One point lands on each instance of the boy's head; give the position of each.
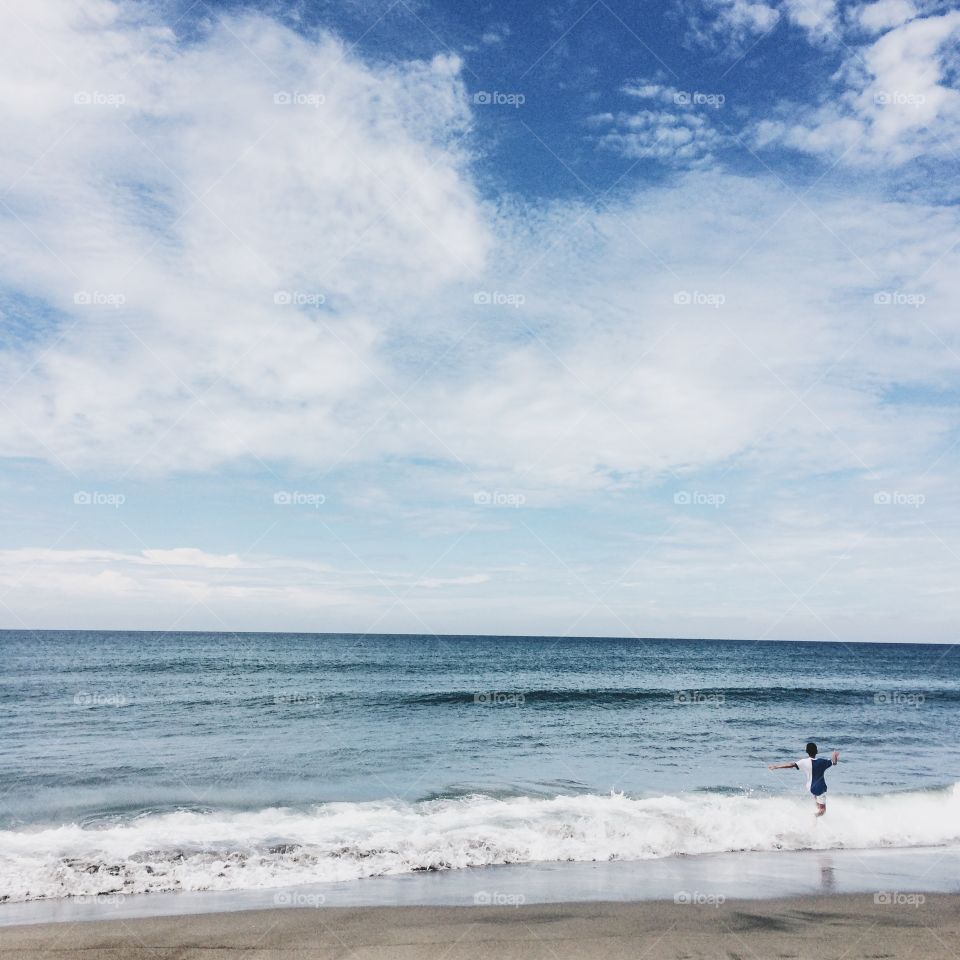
(811, 749)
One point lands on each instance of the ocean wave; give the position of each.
(626, 696)
(276, 847)
(289, 692)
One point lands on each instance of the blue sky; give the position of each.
(574, 319)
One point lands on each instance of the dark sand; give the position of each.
(821, 928)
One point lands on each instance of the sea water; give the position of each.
(136, 762)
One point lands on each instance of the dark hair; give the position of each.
(811, 749)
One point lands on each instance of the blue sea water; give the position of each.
(137, 762)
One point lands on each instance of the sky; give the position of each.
(576, 318)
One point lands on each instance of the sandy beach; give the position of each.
(821, 928)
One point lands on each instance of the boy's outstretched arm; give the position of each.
(781, 766)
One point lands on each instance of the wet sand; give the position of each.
(821, 928)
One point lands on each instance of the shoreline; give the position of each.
(826, 927)
(755, 876)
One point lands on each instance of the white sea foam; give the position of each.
(343, 841)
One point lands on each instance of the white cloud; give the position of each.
(897, 101)
(697, 324)
(884, 14)
(736, 24)
(176, 557)
(174, 589)
(432, 583)
(817, 17)
(654, 90)
(496, 34)
(685, 137)
(645, 90)
(191, 187)
(192, 557)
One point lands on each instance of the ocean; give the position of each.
(157, 762)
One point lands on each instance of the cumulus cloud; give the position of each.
(660, 135)
(221, 233)
(884, 14)
(817, 17)
(734, 24)
(680, 131)
(895, 100)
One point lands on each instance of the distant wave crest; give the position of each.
(627, 696)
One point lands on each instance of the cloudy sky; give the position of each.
(573, 318)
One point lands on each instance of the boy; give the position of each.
(814, 767)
